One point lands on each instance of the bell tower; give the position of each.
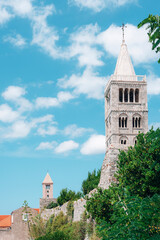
(126, 112)
(47, 187)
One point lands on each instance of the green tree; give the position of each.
(153, 24)
(91, 182)
(67, 195)
(58, 235)
(139, 167)
(133, 218)
(52, 205)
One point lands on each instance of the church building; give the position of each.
(126, 112)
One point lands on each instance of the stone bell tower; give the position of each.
(47, 186)
(126, 112)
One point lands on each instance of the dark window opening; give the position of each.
(121, 95)
(137, 95)
(126, 95)
(139, 122)
(133, 122)
(119, 122)
(131, 95)
(124, 141)
(121, 141)
(125, 122)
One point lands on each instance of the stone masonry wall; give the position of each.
(78, 210)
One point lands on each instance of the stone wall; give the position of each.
(78, 210)
(109, 168)
(45, 201)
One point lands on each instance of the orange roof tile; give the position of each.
(37, 209)
(5, 221)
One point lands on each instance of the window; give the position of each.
(47, 196)
(131, 95)
(120, 95)
(119, 122)
(126, 95)
(136, 122)
(137, 95)
(47, 186)
(25, 217)
(123, 141)
(123, 122)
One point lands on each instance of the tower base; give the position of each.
(109, 167)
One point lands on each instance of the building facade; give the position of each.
(16, 225)
(126, 113)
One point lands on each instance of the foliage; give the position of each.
(139, 167)
(91, 182)
(154, 31)
(100, 205)
(133, 218)
(67, 195)
(58, 235)
(37, 227)
(52, 205)
(70, 210)
(130, 208)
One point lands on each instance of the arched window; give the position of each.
(135, 141)
(121, 95)
(123, 140)
(137, 95)
(123, 121)
(131, 94)
(136, 121)
(126, 95)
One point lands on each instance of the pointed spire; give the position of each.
(47, 179)
(124, 65)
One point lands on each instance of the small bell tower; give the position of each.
(47, 186)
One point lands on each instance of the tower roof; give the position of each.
(124, 65)
(47, 179)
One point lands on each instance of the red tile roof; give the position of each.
(5, 221)
(37, 209)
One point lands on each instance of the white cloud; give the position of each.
(94, 145)
(17, 41)
(64, 96)
(88, 83)
(73, 131)
(46, 102)
(46, 145)
(153, 84)
(155, 125)
(83, 46)
(66, 146)
(15, 94)
(139, 47)
(43, 35)
(49, 130)
(4, 15)
(98, 5)
(20, 8)
(7, 114)
(19, 129)
(46, 118)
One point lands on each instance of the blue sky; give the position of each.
(56, 58)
